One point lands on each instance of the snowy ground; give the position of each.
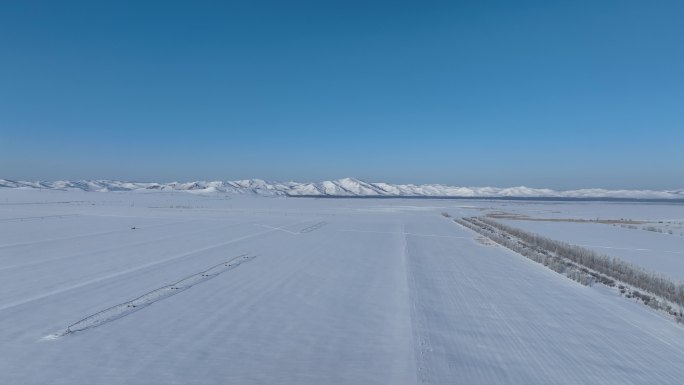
(661, 251)
(340, 291)
(657, 252)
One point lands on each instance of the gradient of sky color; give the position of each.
(560, 94)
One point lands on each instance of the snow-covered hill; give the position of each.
(339, 187)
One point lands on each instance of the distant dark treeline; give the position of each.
(530, 199)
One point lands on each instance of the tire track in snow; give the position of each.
(634, 249)
(421, 341)
(131, 270)
(109, 232)
(404, 233)
(21, 219)
(124, 309)
(544, 335)
(305, 230)
(273, 228)
(124, 246)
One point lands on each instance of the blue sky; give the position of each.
(561, 94)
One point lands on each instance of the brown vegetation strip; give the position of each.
(520, 217)
(584, 265)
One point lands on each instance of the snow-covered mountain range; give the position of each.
(340, 187)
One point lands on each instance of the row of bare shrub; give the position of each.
(581, 264)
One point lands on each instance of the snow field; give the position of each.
(386, 292)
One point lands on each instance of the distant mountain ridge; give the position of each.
(339, 187)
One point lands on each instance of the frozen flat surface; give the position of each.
(659, 252)
(339, 291)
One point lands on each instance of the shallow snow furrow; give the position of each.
(481, 317)
(88, 235)
(632, 249)
(131, 270)
(283, 229)
(421, 340)
(313, 227)
(124, 246)
(125, 308)
(402, 233)
(21, 219)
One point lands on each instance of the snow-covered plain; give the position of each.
(339, 291)
(659, 251)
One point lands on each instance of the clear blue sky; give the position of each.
(560, 94)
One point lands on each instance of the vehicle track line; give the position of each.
(404, 233)
(89, 234)
(145, 242)
(277, 228)
(123, 309)
(40, 217)
(130, 270)
(633, 249)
